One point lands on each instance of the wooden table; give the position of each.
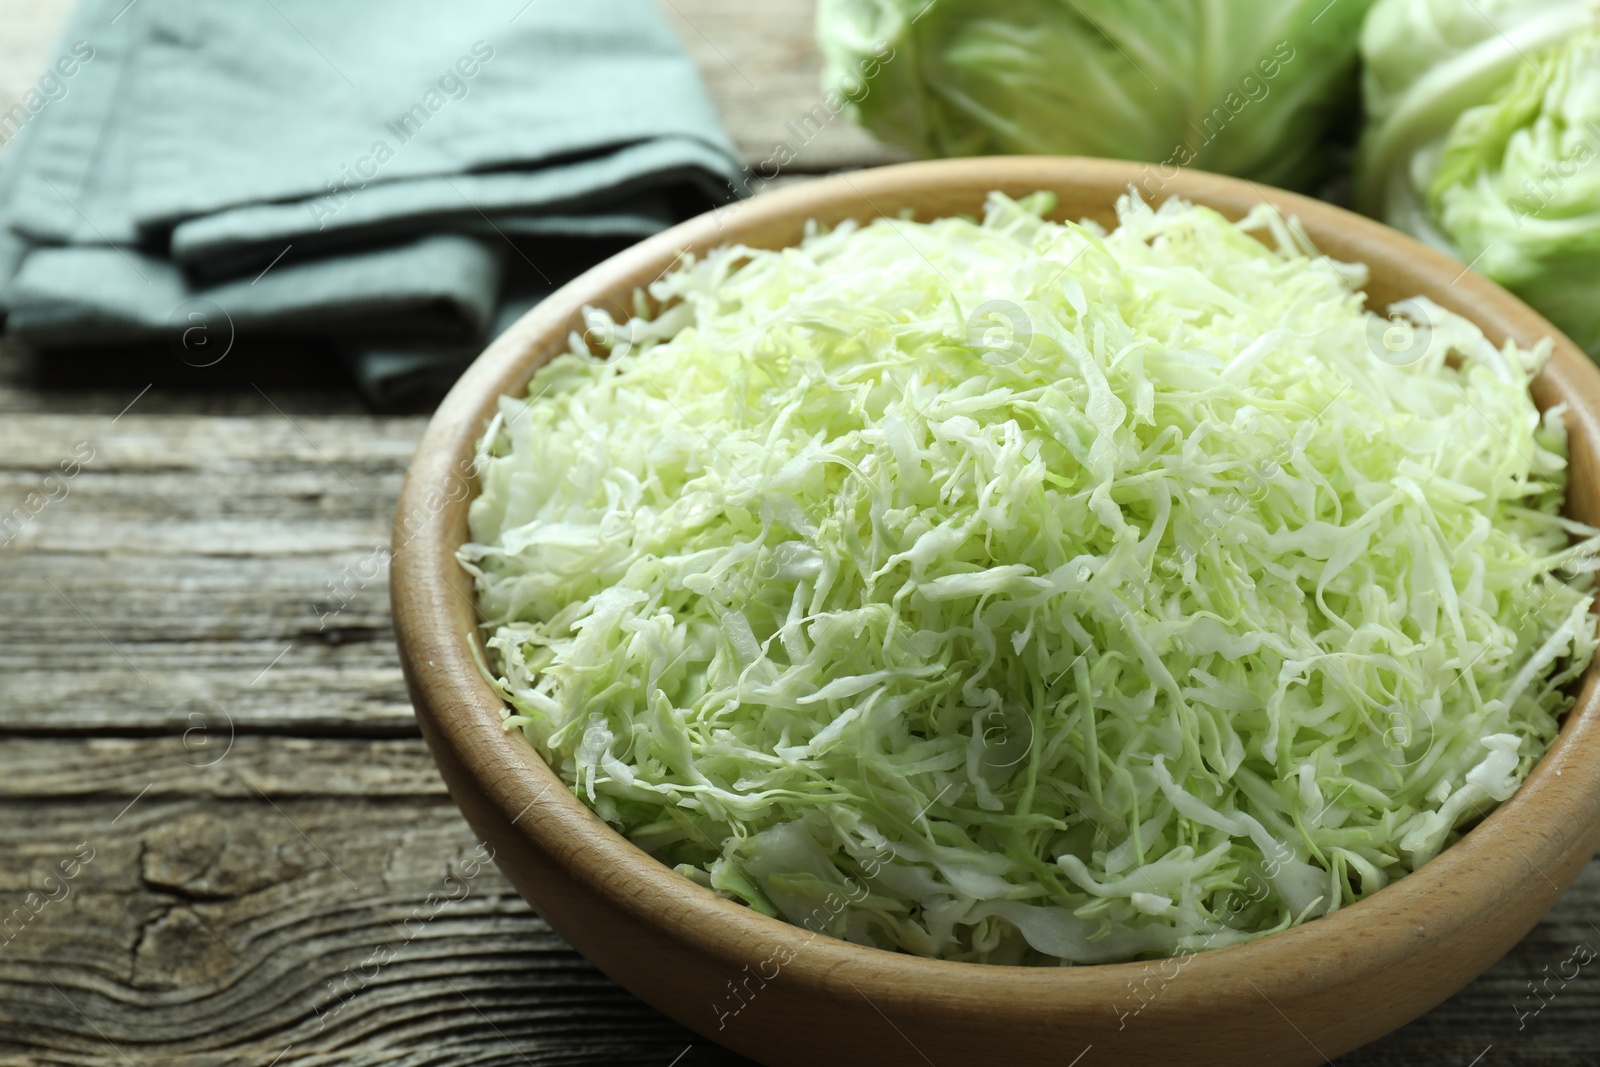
(203, 719)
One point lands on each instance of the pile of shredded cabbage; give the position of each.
(1023, 593)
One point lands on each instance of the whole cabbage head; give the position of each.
(1483, 139)
(1246, 87)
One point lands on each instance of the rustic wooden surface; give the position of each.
(199, 692)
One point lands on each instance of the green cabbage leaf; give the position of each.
(1248, 87)
(1484, 140)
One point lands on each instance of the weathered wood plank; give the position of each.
(146, 443)
(238, 931)
(234, 908)
(237, 560)
(209, 758)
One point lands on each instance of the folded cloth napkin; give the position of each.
(392, 176)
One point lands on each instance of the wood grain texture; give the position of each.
(213, 928)
(240, 914)
(240, 561)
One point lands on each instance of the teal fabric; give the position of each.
(444, 286)
(387, 174)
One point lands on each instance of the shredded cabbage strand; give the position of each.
(1019, 592)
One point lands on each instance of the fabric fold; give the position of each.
(358, 173)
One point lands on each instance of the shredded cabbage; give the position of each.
(1022, 593)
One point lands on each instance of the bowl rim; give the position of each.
(1556, 810)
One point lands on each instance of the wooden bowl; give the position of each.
(782, 995)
